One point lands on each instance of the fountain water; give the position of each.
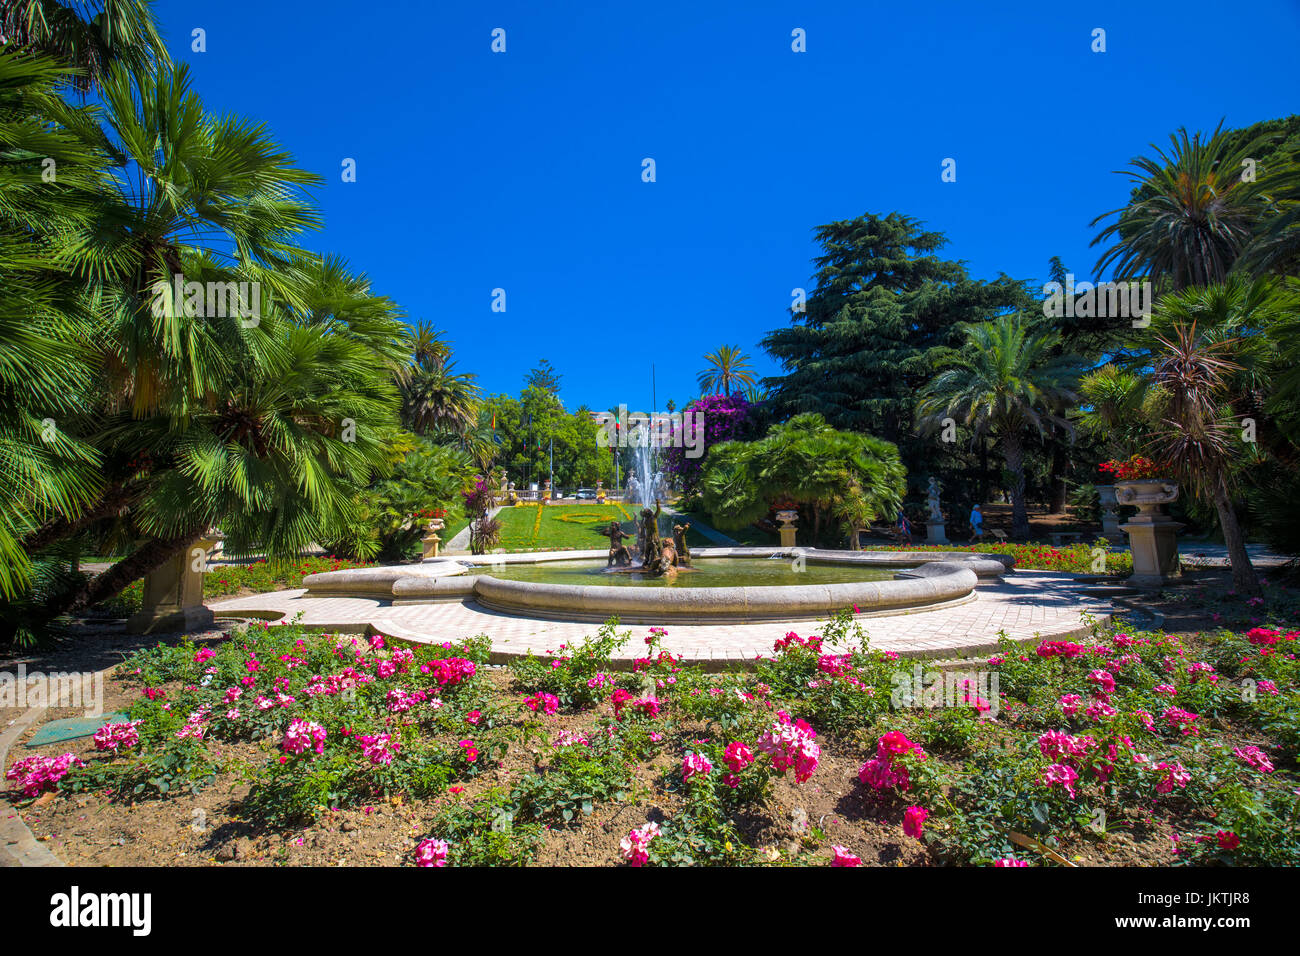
(645, 486)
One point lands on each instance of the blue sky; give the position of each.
(522, 170)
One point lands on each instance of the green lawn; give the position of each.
(534, 527)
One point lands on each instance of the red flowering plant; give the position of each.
(1136, 468)
(833, 678)
(429, 514)
(578, 676)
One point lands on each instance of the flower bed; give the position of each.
(297, 747)
(1079, 558)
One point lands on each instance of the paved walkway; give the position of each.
(1215, 555)
(1026, 605)
(459, 544)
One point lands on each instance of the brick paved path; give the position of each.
(1027, 605)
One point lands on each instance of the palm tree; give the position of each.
(429, 347)
(1276, 247)
(439, 400)
(1190, 215)
(182, 179)
(87, 36)
(728, 370)
(1193, 440)
(480, 441)
(46, 473)
(268, 426)
(1209, 354)
(272, 459)
(1116, 408)
(1004, 382)
(846, 474)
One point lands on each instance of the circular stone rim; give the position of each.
(925, 581)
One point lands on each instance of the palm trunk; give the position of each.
(147, 557)
(113, 499)
(1014, 454)
(986, 486)
(1243, 572)
(1056, 479)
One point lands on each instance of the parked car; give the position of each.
(586, 494)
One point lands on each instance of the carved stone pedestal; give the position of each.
(431, 540)
(787, 529)
(173, 593)
(1152, 534)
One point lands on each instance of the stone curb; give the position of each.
(18, 846)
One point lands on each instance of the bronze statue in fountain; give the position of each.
(658, 557)
(618, 553)
(679, 542)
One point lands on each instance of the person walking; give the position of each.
(904, 528)
(976, 525)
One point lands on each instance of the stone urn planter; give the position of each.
(787, 529)
(1153, 535)
(430, 541)
(1109, 512)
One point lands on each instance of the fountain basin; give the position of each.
(920, 581)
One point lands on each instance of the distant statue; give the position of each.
(618, 553)
(932, 497)
(679, 542)
(633, 487)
